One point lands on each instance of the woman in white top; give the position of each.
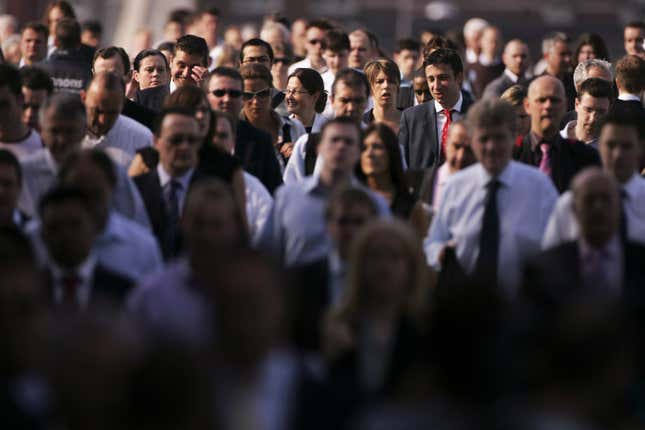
(257, 110)
(306, 98)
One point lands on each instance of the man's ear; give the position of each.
(526, 106)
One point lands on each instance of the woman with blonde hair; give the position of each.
(370, 336)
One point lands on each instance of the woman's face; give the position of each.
(55, 15)
(223, 137)
(152, 72)
(203, 117)
(257, 99)
(386, 270)
(374, 157)
(298, 99)
(586, 53)
(384, 90)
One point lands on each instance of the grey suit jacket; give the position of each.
(39, 173)
(418, 134)
(497, 86)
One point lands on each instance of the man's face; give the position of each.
(620, 151)
(225, 94)
(360, 50)
(421, 90)
(9, 190)
(634, 41)
(335, 60)
(314, 43)
(181, 68)
(209, 28)
(407, 61)
(32, 101)
(591, 110)
(597, 209)
(516, 58)
(343, 224)
(349, 101)
(493, 147)
(102, 108)
(61, 135)
(90, 39)
(458, 151)
(444, 85)
(545, 104)
(256, 54)
(68, 232)
(33, 46)
(112, 65)
(340, 147)
(208, 225)
(92, 180)
(178, 144)
(559, 59)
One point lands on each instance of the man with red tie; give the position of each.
(424, 128)
(543, 147)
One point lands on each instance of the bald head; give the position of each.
(103, 101)
(516, 57)
(596, 205)
(545, 103)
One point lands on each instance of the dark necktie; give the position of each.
(70, 284)
(171, 196)
(623, 216)
(486, 266)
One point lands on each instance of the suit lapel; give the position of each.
(428, 145)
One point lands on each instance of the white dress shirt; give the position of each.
(122, 141)
(563, 227)
(524, 200)
(443, 174)
(258, 206)
(184, 180)
(328, 81)
(442, 118)
(512, 76)
(84, 272)
(24, 147)
(626, 97)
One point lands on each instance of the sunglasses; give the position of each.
(262, 94)
(232, 93)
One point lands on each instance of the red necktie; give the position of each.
(444, 131)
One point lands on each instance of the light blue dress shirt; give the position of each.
(296, 231)
(524, 201)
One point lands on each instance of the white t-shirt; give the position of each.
(22, 148)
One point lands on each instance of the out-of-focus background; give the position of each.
(388, 19)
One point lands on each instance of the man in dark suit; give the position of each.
(252, 146)
(557, 55)
(424, 128)
(630, 81)
(189, 66)
(596, 264)
(543, 147)
(74, 279)
(114, 59)
(164, 189)
(516, 60)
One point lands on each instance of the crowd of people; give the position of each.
(286, 227)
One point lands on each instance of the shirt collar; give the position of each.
(173, 87)
(164, 177)
(535, 139)
(505, 177)
(512, 76)
(456, 107)
(569, 130)
(83, 271)
(626, 97)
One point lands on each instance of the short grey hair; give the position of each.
(582, 70)
(275, 26)
(550, 40)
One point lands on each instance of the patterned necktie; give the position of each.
(444, 131)
(545, 163)
(487, 261)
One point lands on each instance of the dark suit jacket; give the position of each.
(629, 107)
(253, 147)
(568, 157)
(497, 86)
(139, 113)
(152, 98)
(480, 76)
(418, 134)
(151, 192)
(553, 278)
(107, 287)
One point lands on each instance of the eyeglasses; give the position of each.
(282, 60)
(232, 93)
(315, 41)
(293, 91)
(262, 94)
(261, 59)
